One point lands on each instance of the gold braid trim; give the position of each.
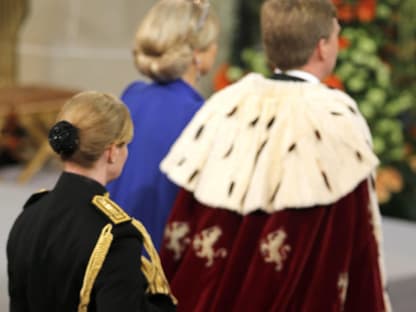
(94, 266)
(113, 211)
(152, 268)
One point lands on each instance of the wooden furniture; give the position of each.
(36, 108)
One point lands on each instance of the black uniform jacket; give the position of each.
(50, 245)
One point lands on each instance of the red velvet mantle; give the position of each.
(323, 258)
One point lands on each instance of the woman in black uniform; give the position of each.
(72, 248)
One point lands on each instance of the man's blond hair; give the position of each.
(291, 29)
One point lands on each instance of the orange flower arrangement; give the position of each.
(221, 79)
(343, 43)
(334, 81)
(362, 10)
(366, 10)
(389, 181)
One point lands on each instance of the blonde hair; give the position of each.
(100, 120)
(168, 35)
(291, 29)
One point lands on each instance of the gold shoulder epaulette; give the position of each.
(35, 197)
(113, 211)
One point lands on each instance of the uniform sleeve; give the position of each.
(121, 286)
(16, 281)
(17, 303)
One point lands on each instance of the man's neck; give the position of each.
(301, 74)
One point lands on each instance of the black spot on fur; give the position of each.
(326, 180)
(199, 132)
(276, 190)
(359, 156)
(270, 123)
(254, 122)
(259, 151)
(234, 110)
(231, 188)
(181, 162)
(229, 151)
(352, 110)
(318, 135)
(194, 174)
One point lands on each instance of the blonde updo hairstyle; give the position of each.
(100, 120)
(170, 33)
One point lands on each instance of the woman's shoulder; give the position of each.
(35, 197)
(139, 89)
(134, 87)
(115, 215)
(175, 96)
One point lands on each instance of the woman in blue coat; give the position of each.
(175, 44)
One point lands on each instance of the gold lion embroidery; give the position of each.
(273, 248)
(175, 234)
(342, 288)
(204, 243)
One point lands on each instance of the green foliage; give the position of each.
(379, 71)
(368, 79)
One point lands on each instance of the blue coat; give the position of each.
(159, 112)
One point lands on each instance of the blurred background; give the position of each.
(51, 49)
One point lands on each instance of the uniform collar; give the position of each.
(78, 183)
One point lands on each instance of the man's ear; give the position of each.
(322, 49)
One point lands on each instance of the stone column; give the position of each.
(12, 14)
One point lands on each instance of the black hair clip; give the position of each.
(63, 138)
